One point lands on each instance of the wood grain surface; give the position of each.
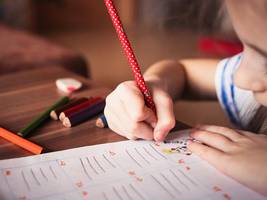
(24, 95)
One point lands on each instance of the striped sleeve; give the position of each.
(239, 105)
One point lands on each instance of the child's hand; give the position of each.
(239, 154)
(128, 115)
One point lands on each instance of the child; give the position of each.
(240, 84)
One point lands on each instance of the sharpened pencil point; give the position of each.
(20, 134)
(62, 116)
(53, 115)
(99, 123)
(66, 122)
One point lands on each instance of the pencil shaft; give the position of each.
(87, 113)
(81, 106)
(36, 122)
(130, 54)
(104, 120)
(70, 104)
(17, 140)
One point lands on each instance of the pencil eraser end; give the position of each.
(68, 85)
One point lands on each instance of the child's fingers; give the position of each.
(150, 117)
(141, 130)
(227, 132)
(114, 108)
(139, 112)
(214, 140)
(134, 103)
(125, 126)
(165, 117)
(127, 102)
(213, 156)
(114, 125)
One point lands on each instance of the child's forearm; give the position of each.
(170, 75)
(200, 77)
(192, 78)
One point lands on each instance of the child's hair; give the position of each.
(199, 15)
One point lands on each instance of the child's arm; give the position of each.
(168, 80)
(186, 78)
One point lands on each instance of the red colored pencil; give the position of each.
(129, 53)
(54, 114)
(84, 114)
(79, 107)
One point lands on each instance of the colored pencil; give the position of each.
(78, 107)
(17, 140)
(39, 120)
(54, 114)
(85, 114)
(101, 121)
(126, 45)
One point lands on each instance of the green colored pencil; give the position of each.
(36, 122)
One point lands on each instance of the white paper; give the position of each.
(130, 170)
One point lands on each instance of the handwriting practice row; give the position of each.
(130, 170)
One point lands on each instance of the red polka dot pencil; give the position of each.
(129, 53)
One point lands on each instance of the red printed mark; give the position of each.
(71, 88)
(131, 173)
(216, 189)
(139, 179)
(187, 168)
(156, 144)
(112, 153)
(79, 184)
(181, 161)
(85, 193)
(227, 196)
(7, 172)
(62, 163)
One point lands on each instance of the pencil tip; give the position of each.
(20, 134)
(61, 116)
(99, 123)
(53, 115)
(66, 122)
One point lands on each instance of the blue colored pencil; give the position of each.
(101, 121)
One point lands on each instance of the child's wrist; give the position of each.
(154, 81)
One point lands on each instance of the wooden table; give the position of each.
(24, 95)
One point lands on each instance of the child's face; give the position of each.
(250, 21)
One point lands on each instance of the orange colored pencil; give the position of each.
(15, 139)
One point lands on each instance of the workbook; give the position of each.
(127, 170)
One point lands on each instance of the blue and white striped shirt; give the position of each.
(239, 105)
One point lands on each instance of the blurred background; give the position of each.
(78, 35)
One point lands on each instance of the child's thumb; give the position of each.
(150, 117)
(165, 118)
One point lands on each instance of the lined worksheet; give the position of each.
(128, 170)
